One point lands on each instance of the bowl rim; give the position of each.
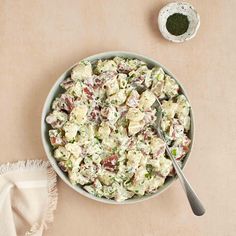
(47, 146)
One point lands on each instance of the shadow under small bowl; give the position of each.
(56, 90)
(182, 8)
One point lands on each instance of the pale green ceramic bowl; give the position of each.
(45, 127)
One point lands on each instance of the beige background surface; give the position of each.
(40, 39)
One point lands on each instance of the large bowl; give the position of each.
(56, 90)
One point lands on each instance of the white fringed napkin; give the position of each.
(28, 197)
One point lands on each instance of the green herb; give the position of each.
(97, 140)
(149, 168)
(72, 141)
(177, 24)
(174, 152)
(160, 76)
(151, 171)
(148, 175)
(69, 164)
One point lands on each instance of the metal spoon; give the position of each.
(193, 199)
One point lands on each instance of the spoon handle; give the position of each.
(194, 201)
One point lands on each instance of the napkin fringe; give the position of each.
(23, 165)
(52, 189)
(52, 196)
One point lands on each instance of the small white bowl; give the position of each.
(185, 9)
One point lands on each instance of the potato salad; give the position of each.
(102, 127)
